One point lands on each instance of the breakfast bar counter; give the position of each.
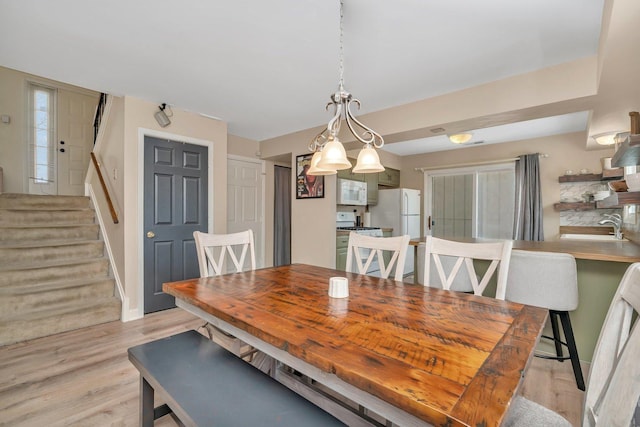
(616, 251)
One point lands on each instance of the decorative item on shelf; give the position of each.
(569, 172)
(606, 163)
(618, 186)
(633, 181)
(329, 153)
(584, 171)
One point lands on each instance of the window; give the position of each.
(476, 202)
(41, 133)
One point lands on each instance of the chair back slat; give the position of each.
(464, 253)
(214, 249)
(366, 249)
(614, 378)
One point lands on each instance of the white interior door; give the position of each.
(75, 140)
(245, 195)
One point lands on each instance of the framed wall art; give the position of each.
(307, 186)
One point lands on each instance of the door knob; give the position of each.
(62, 150)
(151, 234)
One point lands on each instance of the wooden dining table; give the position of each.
(412, 354)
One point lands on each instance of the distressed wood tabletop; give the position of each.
(445, 357)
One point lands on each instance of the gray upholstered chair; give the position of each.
(548, 280)
(613, 390)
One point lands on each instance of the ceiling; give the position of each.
(267, 67)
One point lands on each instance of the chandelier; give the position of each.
(329, 153)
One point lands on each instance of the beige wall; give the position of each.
(13, 136)
(565, 152)
(244, 147)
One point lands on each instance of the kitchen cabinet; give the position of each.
(348, 174)
(342, 246)
(372, 188)
(389, 178)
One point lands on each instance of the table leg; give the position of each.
(146, 403)
(415, 264)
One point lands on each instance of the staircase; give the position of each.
(54, 276)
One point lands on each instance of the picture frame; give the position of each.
(307, 186)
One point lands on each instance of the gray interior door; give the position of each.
(175, 205)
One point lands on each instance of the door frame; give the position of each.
(139, 228)
(263, 172)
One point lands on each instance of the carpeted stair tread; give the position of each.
(43, 244)
(12, 235)
(13, 304)
(44, 202)
(18, 218)
(30, 288)
(33, 256)
(55, 272)
(58, 318)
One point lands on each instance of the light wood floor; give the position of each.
(84, 378)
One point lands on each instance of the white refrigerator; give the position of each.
(399, 208)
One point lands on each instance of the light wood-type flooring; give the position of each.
(84, 378)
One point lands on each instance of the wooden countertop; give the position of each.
(591, 250)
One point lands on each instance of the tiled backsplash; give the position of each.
(573, 192)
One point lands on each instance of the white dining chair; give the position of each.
(548, 280)
(215, 254)
(448, 258)
(215, 250)
(366, 255)
(613, 387)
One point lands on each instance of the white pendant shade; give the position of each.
(368, 161)
(333, 156)
(315, 170)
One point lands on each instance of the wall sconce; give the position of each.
(161, 117)
(460, 138)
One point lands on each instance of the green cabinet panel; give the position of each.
(342, 245)
(347, 174)
(389, 178)
(372, 188)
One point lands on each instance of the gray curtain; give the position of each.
(282, 216)
(528, 209)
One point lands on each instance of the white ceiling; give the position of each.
(267, 67)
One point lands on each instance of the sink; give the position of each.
(592, 237)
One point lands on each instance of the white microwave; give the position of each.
(351, 192)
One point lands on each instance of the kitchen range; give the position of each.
(347, 222)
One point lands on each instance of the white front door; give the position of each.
(75, 140)
(245, 207)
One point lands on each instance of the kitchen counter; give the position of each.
(626, 252)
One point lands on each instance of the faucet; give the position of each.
(616, 221)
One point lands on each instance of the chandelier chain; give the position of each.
(341, 59)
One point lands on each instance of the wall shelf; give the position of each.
(574, 206)
(619, 199)
(606, 175)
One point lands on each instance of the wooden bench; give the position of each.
(205, 385)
